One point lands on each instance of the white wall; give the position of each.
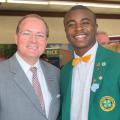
(57, 34)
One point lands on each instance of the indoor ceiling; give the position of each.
(12, 7)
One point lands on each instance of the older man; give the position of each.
(29, 87)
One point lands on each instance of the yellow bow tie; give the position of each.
(84, 59)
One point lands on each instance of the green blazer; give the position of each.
(105, 87)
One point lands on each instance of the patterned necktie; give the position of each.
(84, 59)
(37, 88)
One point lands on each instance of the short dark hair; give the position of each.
(81, 7)
(34, 16)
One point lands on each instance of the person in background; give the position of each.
(90, 82)
(29, 87)
(2, 57)
(102, 38)
(44, 57)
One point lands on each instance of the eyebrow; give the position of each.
(81, 20)
(25, 30)
(85, 19)
(70, 21)
(31, 31)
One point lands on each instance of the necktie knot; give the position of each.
(84, 59)
(33, 69)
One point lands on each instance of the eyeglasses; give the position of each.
(28, 34)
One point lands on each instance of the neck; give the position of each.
(81, 51)
(31, 61)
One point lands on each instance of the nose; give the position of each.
(33, 38)
(79, 27)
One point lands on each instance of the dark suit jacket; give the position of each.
(105, 101)
(17, 98)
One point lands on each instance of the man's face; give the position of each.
(80, 27)
(102, 38)
(31, 39)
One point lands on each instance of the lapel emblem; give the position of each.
(94, 87)
(107, 103)
(98, 75)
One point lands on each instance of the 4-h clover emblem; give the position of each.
(107, 103)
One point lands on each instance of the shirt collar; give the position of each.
(91, 51)
(25, 66)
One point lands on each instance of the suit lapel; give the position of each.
(52, 84)
(50, 80)
(66, 107)
(23, 83)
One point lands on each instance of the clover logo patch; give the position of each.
(107, 103)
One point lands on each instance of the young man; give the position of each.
(90, 83)
(29, 88)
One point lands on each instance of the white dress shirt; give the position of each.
(26, 68)
(81, 83)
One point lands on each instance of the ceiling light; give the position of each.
(62, 3)
(101, 5)
(2, 0)
(28, 2)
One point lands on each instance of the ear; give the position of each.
(96, 26)
(65, 30)
(16, 37)
(46, 43)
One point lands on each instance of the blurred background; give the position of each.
(53, 11)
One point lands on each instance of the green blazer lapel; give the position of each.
(66, 86)
(98, 74)
(99, 67)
